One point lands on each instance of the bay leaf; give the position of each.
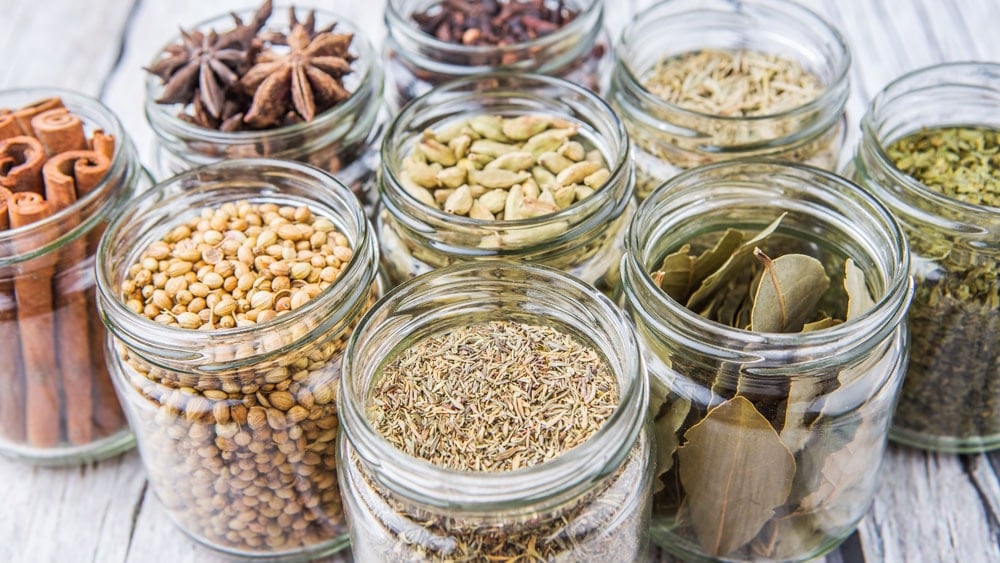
(788, 538)
(666, 424)
(825, 322)
(735, 471)
(676, 273)
(859, 299)
(713, 258)
(790, 288)
(802, 394)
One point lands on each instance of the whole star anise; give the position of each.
(306, 79)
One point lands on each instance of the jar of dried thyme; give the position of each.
(702, 81)
(769, 300)
(518, 167)
(930, 150)
(230, 292)
(495, 411)
(430, 42)
(291, 83)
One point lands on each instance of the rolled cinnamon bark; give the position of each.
(36, 323)
(103, 143)
(25, 114)
(59, 131)
(8, 125)
(12, 397)
(21, 162)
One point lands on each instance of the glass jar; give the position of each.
(669, 138)
(342, 140)
(585, 239)
(588, 504)
(950, 400)
(813, 407)
(57, 405)
(236, 468)
(580, 52)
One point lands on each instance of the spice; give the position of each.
(493, 22)
(55, 370)
(495, 168)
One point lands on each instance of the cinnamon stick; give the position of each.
(25, 114)
(8, 125)
(12, 397)
(103, 143)
(59, 131)
(33, 291)
(21, 162)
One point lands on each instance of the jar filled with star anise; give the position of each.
(298, 84)
(432, 41)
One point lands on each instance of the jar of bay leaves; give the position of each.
(565, 39)
(929, 150)
(510, 146)
(769, 299)
(314, 126)
(701, 81)
(230, 292)
(426, 479)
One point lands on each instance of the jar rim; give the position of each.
(834, 94)
(161, 117)
(599, 455)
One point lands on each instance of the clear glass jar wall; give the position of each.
(236, 427)
(801, 418)
(669, 138)
(580, 52)
(950, 400)
(585, 239)
(588, 504)
(57, 405)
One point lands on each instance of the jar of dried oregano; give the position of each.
(299, 84)
(429, 42)
(769, 300)
(66, 168)
(930, 150)
(495, 411)
(230, 292)
(520, 167)
(701, 81)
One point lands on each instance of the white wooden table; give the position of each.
(930, 507)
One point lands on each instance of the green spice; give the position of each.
(959, 162)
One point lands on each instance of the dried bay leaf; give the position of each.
(790, 288)
(788, 537)
(735, 471)
(859, 299)
(675, 274)
(825, 322)
(713, 258)
(665, 430)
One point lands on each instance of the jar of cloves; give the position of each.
(230, 292)
(930, 150)
(433, 41)
(702, 81)
(238, 105)
(495, 411)
(66, 169)
(519, 167)
(770, 301)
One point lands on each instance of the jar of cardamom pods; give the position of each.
(702, 81)
(299, 84)
(430, 42)
(230, 292)
(67, 167)
(495, 411)
(518, 167)
(930, 150)
(769, 300)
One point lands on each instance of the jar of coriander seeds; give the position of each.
(495, 411)
(930, 150)
(429, 42)
(769, 300)
(518, 167)
(332, 122)
(699, 81)
(230, 292)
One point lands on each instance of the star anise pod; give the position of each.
(306, 79)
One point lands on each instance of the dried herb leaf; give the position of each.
(735, 471)
(788, 538)
(859, 300)
(665, 428)
(676, 273)
(790, 289)
(802, 393)
(714, 258)
(825, 322)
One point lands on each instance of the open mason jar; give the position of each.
(579, 51)
(670, 137)
(588, 503)
(237, 426)
(57, 405)
(584, 239)
(769, 443)
(950, 400)
(342, 140)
